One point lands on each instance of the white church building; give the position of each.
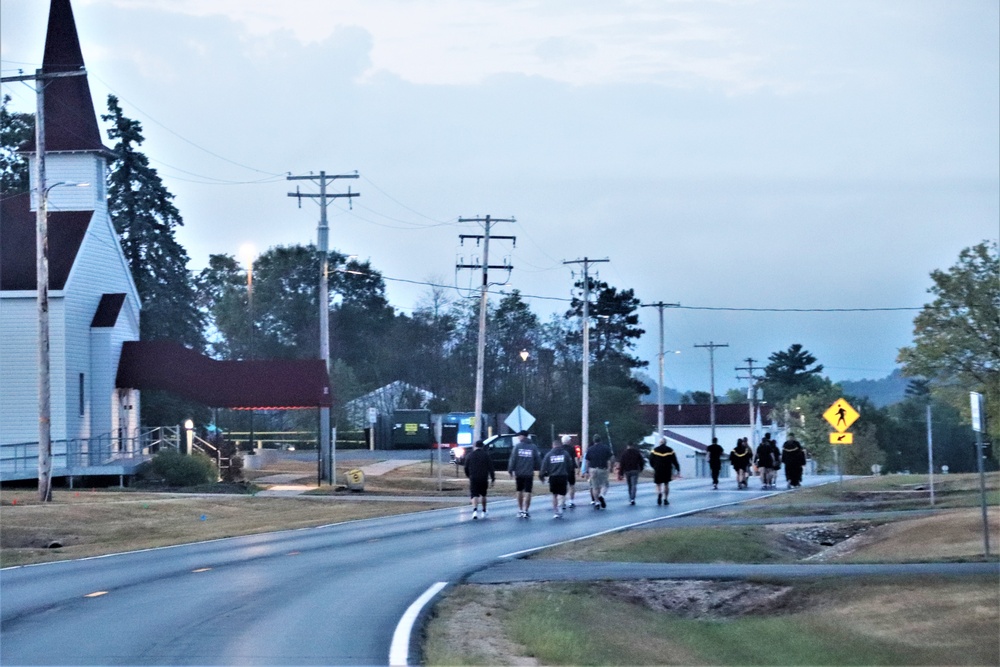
(93, 302)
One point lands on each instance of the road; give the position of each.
(326, 595)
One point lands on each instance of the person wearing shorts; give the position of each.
(524, 460)
(479, 470)
(557, 465)
(570, 499)
(599, 458)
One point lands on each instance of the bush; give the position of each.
(176, 469)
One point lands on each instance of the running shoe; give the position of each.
(600, 499)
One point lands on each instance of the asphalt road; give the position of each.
(327, 595)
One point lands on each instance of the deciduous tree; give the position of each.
(956, 337)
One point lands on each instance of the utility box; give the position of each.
(411, 429)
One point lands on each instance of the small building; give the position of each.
(688, 429)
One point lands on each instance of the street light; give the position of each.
(247, 254)
(524, 373)
(44, 380)
(189, 433)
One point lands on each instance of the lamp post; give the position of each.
(189, 436)
(247, 254)
(524, 374)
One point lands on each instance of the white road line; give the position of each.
(399, 652)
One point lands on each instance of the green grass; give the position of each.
(717, 544)
(573, 625)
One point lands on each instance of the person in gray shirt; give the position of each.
(557, 466)
(524, 460)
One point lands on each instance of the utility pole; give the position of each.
(585, 417)
(487, 222)
(327, 465)
(42, 271)
(659, 387)
(751, 396)
(711, 369)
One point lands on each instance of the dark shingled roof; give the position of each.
(70, 121)
(261, 385)
(66, 230)
(726, 414)
(107, 311)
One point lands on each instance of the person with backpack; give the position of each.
(479, 470)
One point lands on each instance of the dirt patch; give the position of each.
(469, 627)
(952, 535)
(704, 599)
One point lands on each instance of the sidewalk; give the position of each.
(282, 485)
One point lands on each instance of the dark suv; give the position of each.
(499, 448)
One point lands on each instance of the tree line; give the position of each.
(956, 346)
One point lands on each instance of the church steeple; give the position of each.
(70, 121)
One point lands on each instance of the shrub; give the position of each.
(176, 469)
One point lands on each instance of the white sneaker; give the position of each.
(475, 514)
(484, 514)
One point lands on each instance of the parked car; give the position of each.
(499, 448)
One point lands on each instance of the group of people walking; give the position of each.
(766, 461)
(559, 467)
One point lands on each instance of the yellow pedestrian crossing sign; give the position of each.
(841, 415)
(841, 438)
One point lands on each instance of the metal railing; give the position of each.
(80, 453)
(213, 452)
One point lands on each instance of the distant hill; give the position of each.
(890, 389)
(670, 396)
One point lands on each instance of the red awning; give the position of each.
(270, 384)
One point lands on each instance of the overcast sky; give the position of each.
(729, 154)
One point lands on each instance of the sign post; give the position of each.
(372, 420)
(978, 425)
(840, 416)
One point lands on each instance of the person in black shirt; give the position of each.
(631, 466)
(715, 453)
(557, 465)
(663, 459)
(741, 457)
(794, 458)
(598, 459)
(479, 470)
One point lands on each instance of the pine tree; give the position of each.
(145, 218)
(15, 129)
